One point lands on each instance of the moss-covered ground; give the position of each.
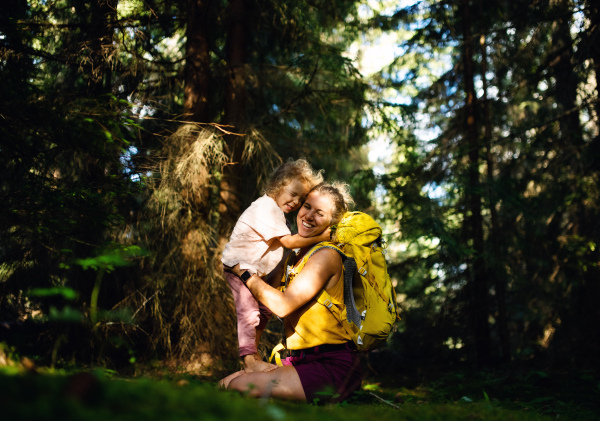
(43, 394)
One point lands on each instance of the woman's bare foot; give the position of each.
(253, 363)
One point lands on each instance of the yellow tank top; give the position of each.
(313, 324)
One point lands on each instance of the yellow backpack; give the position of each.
(369, 310)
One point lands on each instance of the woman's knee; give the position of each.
(281, 383)
(244, 384)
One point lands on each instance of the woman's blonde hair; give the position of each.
(299, 169)
(340, 195)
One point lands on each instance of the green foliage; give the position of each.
(94, 396)
(553, 394)
(118, 256)
(115, 257)
(63, 188)
(64, 184)
(65, 292)
(526, 172)
(66, 314)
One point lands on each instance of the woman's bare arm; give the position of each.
(323, 267)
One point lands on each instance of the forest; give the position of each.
(134, 133)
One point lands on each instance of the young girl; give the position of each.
(257, 243)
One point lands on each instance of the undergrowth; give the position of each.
(30, 392)
(100, 395)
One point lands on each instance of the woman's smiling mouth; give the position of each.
(307, 225)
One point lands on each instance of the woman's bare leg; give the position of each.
(281, 383)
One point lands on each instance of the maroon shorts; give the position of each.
(328, 376)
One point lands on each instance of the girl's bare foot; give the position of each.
(254, 363)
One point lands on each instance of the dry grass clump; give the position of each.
(178, 226)
(195, 163)
(260, 156)
(192, 315)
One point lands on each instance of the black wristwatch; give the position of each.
(245, 276)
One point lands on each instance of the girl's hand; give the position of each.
(325, 235)
(235, 270)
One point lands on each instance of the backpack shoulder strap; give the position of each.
(289, 263)
(352, 314)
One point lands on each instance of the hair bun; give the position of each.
(340, 195)
(344, 190)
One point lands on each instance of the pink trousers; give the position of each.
(251, 315)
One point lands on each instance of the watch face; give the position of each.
(245, 276)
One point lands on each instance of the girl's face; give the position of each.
(290, 197)
(315, 214)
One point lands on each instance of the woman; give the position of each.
(322, 358)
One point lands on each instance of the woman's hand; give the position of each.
(325, 235)
(322, 270)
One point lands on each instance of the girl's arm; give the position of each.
(322, 267)
(295, 241)
(274, 278)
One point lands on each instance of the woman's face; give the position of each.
(315, 214)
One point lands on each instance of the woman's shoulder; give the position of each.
(326, 250)
(327, 247)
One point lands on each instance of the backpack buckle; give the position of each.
(362, 271)
(328, 303)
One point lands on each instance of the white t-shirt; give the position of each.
(253, 241)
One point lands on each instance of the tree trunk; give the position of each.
(477, 283)
(581, 322)
(593, 13)
(235, 106)
(197, 65)
(495, 267)
(566, 80)
(104, 14)
(16, 66)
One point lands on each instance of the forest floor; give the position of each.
(102, 395)
(28, 392)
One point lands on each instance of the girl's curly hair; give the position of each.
(293, 169)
